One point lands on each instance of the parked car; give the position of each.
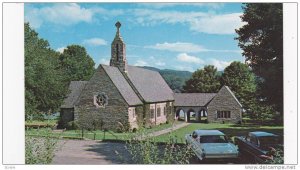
(209, 144)
(259, 146)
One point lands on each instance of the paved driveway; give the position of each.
(90, 152)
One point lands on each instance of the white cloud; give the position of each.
(178, 47)
(95, 42)
(160, 63)
(141, 63)
(65, 14)
(198, 21)
(104, 61)
(184, 57)
(165, 5)
(61, 49)
(221, 65)
(217, 24)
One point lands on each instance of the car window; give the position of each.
(253, 140)
(213, 139)
(268, 140)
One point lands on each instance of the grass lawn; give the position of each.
(229, 129)
(98, 135)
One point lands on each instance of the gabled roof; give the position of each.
(193, 99)
(122, 85)
(228, 89)
(150, 84)
(75, 88)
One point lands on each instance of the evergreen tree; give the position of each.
(261, 40)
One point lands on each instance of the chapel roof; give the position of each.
(150, 84)
(75, 89)
(193, 99)
(122, 85)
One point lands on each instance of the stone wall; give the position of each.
(166, 113)
(224, 101)
(114, 115)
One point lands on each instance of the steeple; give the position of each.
(118, 51)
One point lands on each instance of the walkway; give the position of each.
(168, 130)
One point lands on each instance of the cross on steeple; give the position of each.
(118, 54)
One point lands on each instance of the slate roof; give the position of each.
(150, 84)
(193, 99)
(122, 85)
(75, 88)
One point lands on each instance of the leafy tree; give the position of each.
(241, 81)
(44, 87)
(205, 80)
(261, 40)
(76, 63)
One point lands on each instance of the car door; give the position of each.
(195, 144)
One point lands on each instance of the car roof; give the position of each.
(208, 132)
(261, 133)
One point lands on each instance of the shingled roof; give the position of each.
(75, 88)
(150, 84)
(193, 99)
(122, 85)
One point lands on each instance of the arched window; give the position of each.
(117, 48)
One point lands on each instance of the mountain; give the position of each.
(174, 78)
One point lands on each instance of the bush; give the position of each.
(73, 125)
(40, 150)
(148, 151)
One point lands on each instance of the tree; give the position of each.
(261, 40)
(76, 63)
(44, 86)
(205, 80)
(241, 81)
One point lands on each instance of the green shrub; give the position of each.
(72, 125)
(40, 150)
(148, 151)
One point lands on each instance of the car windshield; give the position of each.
(268, 140)
(213, 139)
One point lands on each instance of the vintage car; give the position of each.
(208, 144)
(258, 146)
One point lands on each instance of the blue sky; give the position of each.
(179, 36)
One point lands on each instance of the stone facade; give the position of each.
(158, 113)
(115, 114)
(224, 101)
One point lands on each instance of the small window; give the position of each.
(158, 112)
(165, 111)
(223, 114)
(151, 113)
(133, 113)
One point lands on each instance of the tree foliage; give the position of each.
(48, 73)
(76, 63)
(241, 81)
(44, 86)
(261, 40)
(205, 80)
